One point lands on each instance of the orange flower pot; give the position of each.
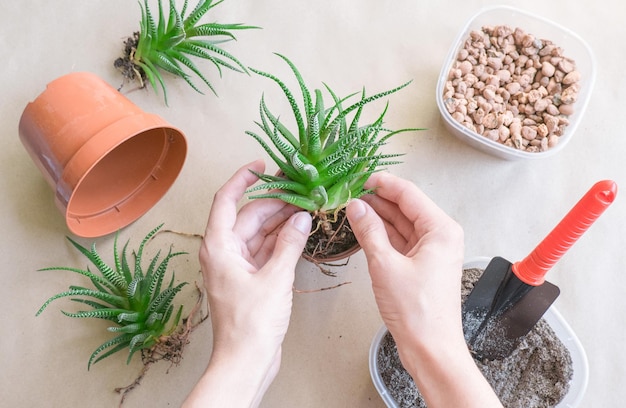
(107, 160)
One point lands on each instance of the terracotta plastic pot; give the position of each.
(107, 160)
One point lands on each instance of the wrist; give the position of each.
(445, 372)
(235, 377)
(420, 355)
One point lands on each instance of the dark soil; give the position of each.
(126, 65)
(535, 375)
(330, 235)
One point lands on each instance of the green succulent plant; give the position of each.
(170, 44)
(326, 161)
(133, 300)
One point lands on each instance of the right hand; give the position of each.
(414, 254)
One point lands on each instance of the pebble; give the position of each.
(513, 88)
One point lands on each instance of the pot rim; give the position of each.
(334, 258)
(107, 160)
(137, 201)
(580, 364)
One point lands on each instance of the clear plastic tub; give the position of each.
(580, 365)
(573, 47)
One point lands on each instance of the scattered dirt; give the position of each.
(535, 375)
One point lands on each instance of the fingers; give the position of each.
(261, 217)
(290, 242)
(399, 227)
(416, 206)
(224, 209)
(369, 229)
(260, 232)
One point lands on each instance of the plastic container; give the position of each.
(573, 47)
(580, 365)
(107, 160)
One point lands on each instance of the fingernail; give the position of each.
(358, 209)
(302, 221)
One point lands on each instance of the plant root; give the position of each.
(183, 234)
(332, 235)
(324, 267)
(127, 66)
(168, 348)
(320, 289)
(127, 389)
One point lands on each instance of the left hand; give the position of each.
(248, 261)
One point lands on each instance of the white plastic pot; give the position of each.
(563, 331)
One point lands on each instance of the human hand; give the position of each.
(248, 260)
(414, 254)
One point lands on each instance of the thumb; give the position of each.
(291, 240)
(368, 229)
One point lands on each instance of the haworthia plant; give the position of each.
(327, 158)
(172, 41)
(129, 295)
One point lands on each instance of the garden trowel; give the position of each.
(510, 298)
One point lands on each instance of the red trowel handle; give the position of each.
(533, 268)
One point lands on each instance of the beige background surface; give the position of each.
(505, 207)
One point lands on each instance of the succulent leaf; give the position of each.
(116, 301)
(164, 299)
(278, 127)
(129, 328)
(282, 185)
(132, 287)
(95, 305)
(268, 150)
(153, 318)
(294, 107)
(108, 272)
(320, 196)
(95, 279)
(129, 317)
(156, 279)
(107, 314)
(121, 342)
(305, 203)
(136, 343)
